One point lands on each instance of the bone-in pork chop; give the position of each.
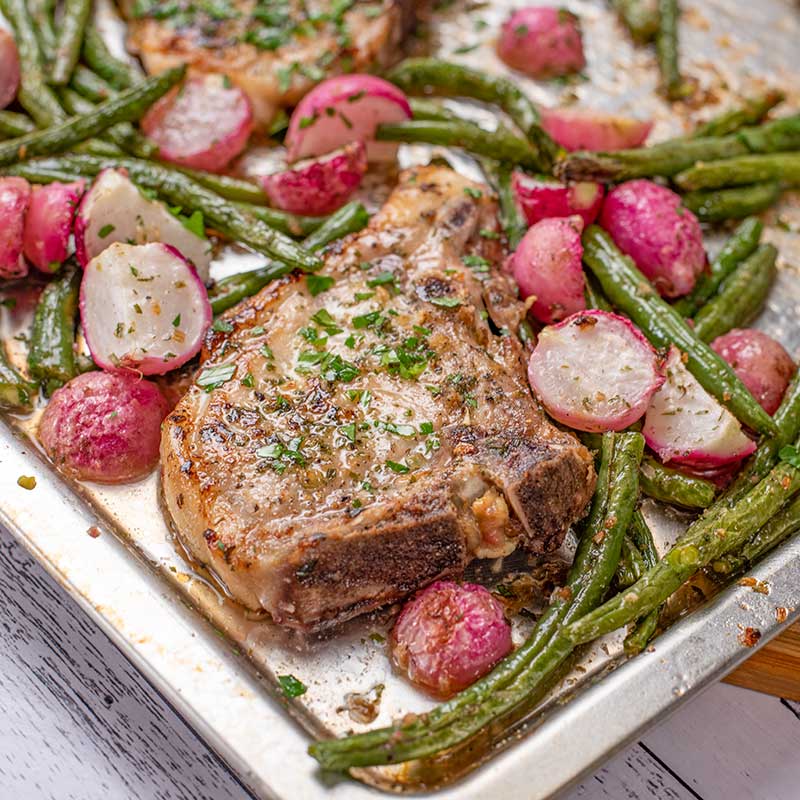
(357, 434)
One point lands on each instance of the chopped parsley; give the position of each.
(400, 469)
(106, 230)
(213, 377)
(291, 687)
(317, 284)
(384, 279)
(471, 191)
(222, 326)
(326, 322)
(176, 323)
(790, 454)
(349, 432)
(446, 302)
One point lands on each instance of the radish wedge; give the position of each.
(115, 210)
(48, 224)
(15, 197)
(203, 124)
(144, 308)
(541, 197)
(687, 425)
(342, 110)
(318, 186)
(9, 68)
(594, 371)
(583, 129)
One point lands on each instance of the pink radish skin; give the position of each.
(542, 41)
(104, 427)
(143, 308)
(318, 186)
(594, 371)
(344, 109)
(547, 265)
(204, 124)
(48, 224)
(583, 129)
(687, 425)
(648, 223)
(762, 364)
(541, 197)
(9, 68)
(449, 635)
(15, 197)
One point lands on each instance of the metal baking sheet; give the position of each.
(218, 664)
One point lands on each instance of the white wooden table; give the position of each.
(77, 722)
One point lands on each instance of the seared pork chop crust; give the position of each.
(369, 430)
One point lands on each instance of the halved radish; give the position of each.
(342, 110)
(9, 68)
(594, 371)
(15, 197)
(115, 210)
(540, 197)
(318, 186)
(547, 267)
(685, 424)
(203, 124)
(48, 224)
(583, 129)
(144, 308)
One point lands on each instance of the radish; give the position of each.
(648, 223)
(203, 124)
(9, 68)
(342, 110)
(15, 197)
(449, 635)
(540, 197)
(104, 427)
(584, 129)
(318, 186)
(115, 210)
(687, 425)
(547, 267)
(762, 364)
(594, 371)
(144, 308)
(542, 42)
(48, 224)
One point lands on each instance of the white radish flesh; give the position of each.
(48, 225)
(15, 197)
(9, 68)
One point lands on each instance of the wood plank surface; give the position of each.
(775, 668)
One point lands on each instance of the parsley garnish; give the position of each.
(106, 230)
(400, 469)
(790, 454)
(473, 192)
(381, 280)
(222, 326)
(317, 284)
(213, 377)
(291, 687)
(326, 322)
(446, 302)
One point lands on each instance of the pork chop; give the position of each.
(275, 50)
(359, 434)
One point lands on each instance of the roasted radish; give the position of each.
(341, 110)
(547, 267)
(540, 197)
(15, 197)
(685, 424)
(449, 635)
(104, 427)
(203, 124)
(594, 371)
(648, 223)
(115, 210)
(48, 225)
(584, 129)
(143, 308)
(9, 68)
(318, 186)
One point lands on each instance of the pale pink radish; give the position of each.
(648, 223)
(320, 185)
(541, 197)
(48, 225)
(542, 41)
(584, 129)
(342, 110)
(143, 308)
(204, 124)
(9, 68)
(115, 210)
(104, 427)
(15, 197)
(685, 424)
(594, 371)
(547, 266)
(449, 635)
(762, 364)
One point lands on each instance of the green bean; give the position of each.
(644, 629)
(290, 224)
(675, 87)
(742, 242)
(36, 172)
(742, 170)
(594, 295)
(631, 565)
(512, 220)
(74, 20)
(640, 18)
(348, 219)
(15, 391)
(14, 124)
(673, 487)
(51, 352)
(120, 74)
(632, 293)
(240, 191)
(740, 297)
(751, 112)
(423, 108)
(718, 205)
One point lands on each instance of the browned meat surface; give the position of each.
(276, 50)
(379, 435)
